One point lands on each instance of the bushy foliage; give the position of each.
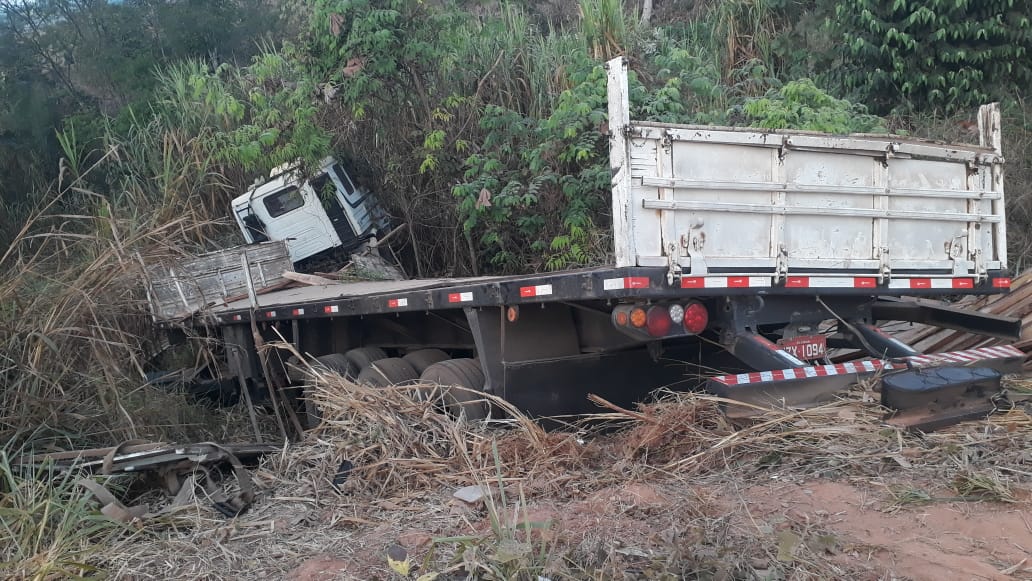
(932, 54)
(535, 188)
(536, 193)
(803, 105)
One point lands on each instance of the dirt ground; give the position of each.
(674, 493)
(939, 540)
(635, 531)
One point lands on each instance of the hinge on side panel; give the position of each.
(980, 272)
(673, 264)
(884, 270)
(954, 251)
(667, 141)
(692, 245)
(781, 264)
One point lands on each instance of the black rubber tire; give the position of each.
(459, 373)
(423, 358)
(337, 362)
(295, 370)
(386, 372)
(361, 358)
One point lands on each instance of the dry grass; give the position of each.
(548, 490)
(75, 331)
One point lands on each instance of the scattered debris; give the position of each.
(307, 279)
(180, 469)
(935, 339)
(470, 494)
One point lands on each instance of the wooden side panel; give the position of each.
(180, 288)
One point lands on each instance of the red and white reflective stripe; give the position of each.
(460, 297)
(830, 282)
(298, 312)
(944, 283)
(331, 309)
(872, 365)
(395, 303)
(625, 283)
(270, 314)
(540, 290)
(1001, 282)
(238, 318)
(725, 282)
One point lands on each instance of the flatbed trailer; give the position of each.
(745, 250)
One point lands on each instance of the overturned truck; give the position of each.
(755, 252)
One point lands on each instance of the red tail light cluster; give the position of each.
(659, 322)
(696, 317)
(662, 320)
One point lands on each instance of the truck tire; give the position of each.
(336, 362)
(387, 372)
(361, 358)
(423, 358)
(465, 373)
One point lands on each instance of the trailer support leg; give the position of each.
(878, 343)
(760, 353)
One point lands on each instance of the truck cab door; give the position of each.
(295, 214)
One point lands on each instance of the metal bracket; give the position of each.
(884, 270)
(673, 263)
(692, 245)
(954, 249)
(667, 141)
(980, 272)
(781, 266)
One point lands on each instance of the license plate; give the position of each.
(805, 347)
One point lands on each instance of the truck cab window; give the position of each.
(283, 201)
(343, 178)
(255, 227)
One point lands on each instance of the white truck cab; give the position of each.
(324, 212)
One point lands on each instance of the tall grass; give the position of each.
(505, 59)
(50, 528)
(604, 27)
(745, 30)
(75, 330)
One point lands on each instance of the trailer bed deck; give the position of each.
(600, 283)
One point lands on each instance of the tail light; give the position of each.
(676, 314)
(658, 321)
(638, 317)
(696, 318)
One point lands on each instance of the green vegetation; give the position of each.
(126, 127)
(938, 54)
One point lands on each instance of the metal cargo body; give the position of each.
(706, 200)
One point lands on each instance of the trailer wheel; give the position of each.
(463, 373)
(387, 372)
(334, 362)
(361, 358)
(423, 358)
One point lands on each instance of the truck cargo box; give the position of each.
(711, 200)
